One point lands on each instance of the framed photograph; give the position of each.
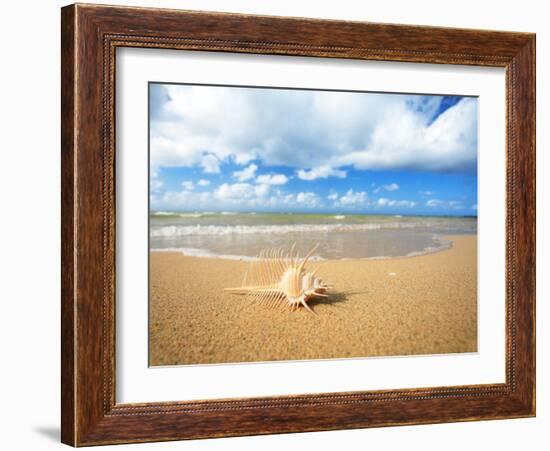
(279, 225)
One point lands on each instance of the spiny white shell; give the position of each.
(280, 280)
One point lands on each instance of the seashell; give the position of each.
(279, 280)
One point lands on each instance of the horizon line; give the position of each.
(337, 213)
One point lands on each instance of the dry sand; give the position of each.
(400, 306)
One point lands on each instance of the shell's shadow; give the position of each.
(333, 298)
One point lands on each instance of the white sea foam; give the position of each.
(346, 237)
(196, 252)
(442, 246)
(163, 213)
(221, 230)
(205, 253)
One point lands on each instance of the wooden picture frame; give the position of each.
(90, 36)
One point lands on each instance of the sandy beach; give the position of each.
(400, 306)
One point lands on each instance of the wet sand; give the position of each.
(400, 306)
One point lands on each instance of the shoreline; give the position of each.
(397, 306)
(445, 240)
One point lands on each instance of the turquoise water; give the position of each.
(241, 235)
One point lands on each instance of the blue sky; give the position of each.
(252, 149)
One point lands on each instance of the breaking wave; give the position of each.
(222, 230)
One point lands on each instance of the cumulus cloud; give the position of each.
(352, 198)
(408, 141)
(437, 203)
(321, 172)
(308, 198)
(156, 185)
(384, 202)
(189, 186)
(240, 191)
(389, 187)
(208, 126)
(236, 196)
(249, 173)
(173, 200)
(272, 179)
(245, 174)
(210, 164)
(265, 143)
(262, 190)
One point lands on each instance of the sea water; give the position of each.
(338, 236)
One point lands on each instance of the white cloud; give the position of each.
(262, 190)
(272, 179)
(353, 198)
(236, 196)
(243, 158)
(241, 191)
(247, 173)
(246, 196)
(288, 198)
(234, 191)
(189, 186)
(437, 203)
(156, 185)
(308, 198)
(384, 202)
(210, 164)
(203, 182)
(390, 187)
(175, 200)
(426, 193)
(320, 172)
(403, 139)
(331, 129)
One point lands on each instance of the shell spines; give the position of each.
(280, 279)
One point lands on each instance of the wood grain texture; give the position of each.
(90, 36)
(67, 226)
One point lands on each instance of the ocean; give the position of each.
(346, 236)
